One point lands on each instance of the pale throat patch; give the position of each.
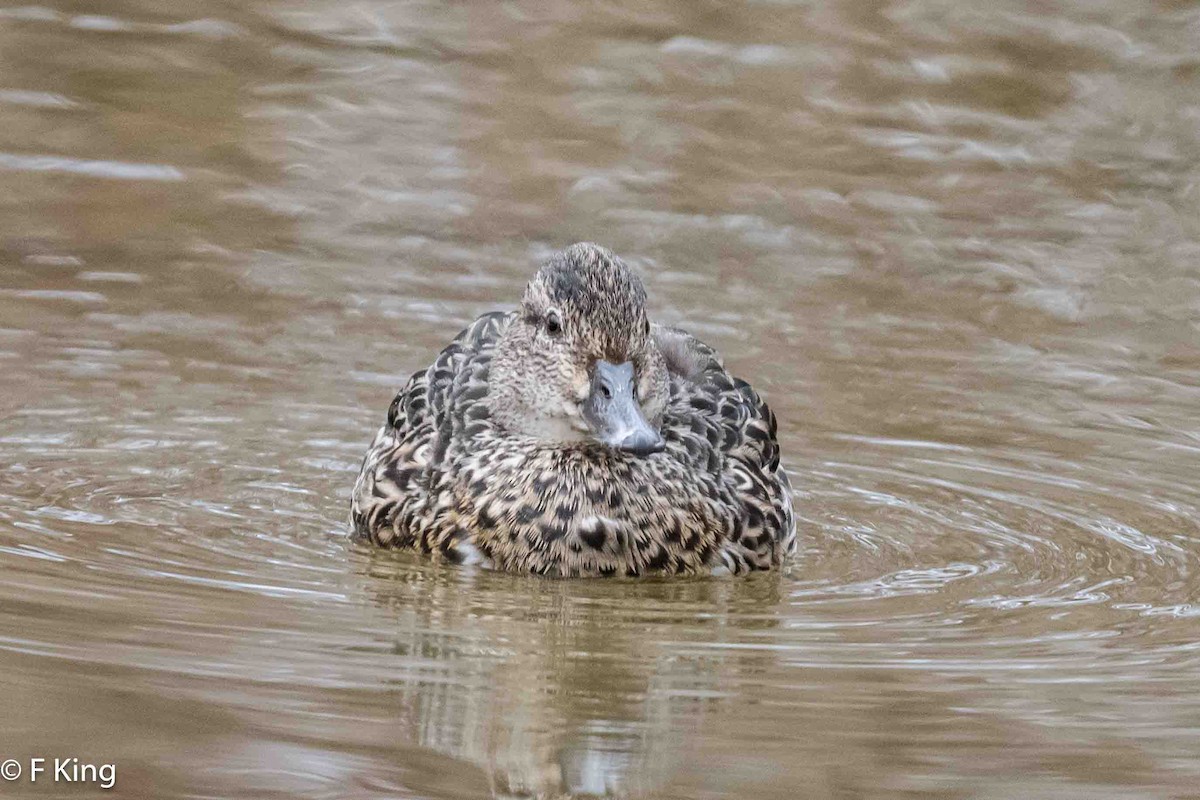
(567, 426)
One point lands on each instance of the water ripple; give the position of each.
(116, 170)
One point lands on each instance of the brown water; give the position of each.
(956, 244)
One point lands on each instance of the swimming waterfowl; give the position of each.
(573, 437)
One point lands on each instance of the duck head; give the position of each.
(578, 362)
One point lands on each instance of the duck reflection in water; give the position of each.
(541, 686)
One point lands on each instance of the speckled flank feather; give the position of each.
(443, 477)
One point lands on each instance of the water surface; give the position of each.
(956, 245)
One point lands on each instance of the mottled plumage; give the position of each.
(517, 449)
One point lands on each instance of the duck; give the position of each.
(574, 437)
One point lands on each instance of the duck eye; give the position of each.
(553, 322)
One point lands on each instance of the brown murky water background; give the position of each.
(957, 244)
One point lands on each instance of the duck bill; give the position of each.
(613, 413)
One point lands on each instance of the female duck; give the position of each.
(573, 437)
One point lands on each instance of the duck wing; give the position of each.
(728, 429)
(394, 484)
